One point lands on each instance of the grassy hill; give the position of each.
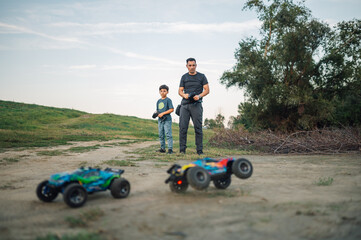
(29, 125)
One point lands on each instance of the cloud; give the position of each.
(123, 27)
(158, 27)
(138, 67)
(13, 29)
(82, 67)
(138, 56)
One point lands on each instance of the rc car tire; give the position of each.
(75, 195)
(120, 188)
(178, 185)
(198, 178)
(242, 168)
(222, 183)
(46, 193)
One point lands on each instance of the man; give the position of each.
(192, 88)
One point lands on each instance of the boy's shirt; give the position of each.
(164, 105)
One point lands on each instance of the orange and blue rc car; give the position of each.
(201, 172)
(76, 186)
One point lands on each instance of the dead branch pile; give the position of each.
(323, 141)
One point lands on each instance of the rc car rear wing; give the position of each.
(114, 170)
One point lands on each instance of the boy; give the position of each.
(165, 108)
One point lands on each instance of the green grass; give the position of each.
(84, 218)
(51, 153)
(9, 160)
(7, 186)
(29, 125)
(150, 153)
(122, 143)
(79, 236)
(75, 221)
(84, 149)
(225, 194)
(159, 165)
(324, 181)
(120, 163)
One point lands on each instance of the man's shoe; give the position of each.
(170, 151)
(182, 151)
(161, 150)
(200, 152)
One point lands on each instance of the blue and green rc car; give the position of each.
(75, 186)
(201, 172)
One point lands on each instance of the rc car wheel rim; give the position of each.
(244, 167)
(77, 197)
(46, 191)
(124, 188)
(200, 176)
(224, 182)
(178, 186)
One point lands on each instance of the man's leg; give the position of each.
(183, 127)
(197, 118)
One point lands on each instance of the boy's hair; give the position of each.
(191, 60)
(164, 87)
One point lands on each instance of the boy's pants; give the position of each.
(165, 129)
(194, 111)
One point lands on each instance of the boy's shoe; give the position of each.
(170, 151)
(200, 152)
(161, 150)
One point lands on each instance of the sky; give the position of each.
(111, 56)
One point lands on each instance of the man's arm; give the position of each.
(181, 93)
(204, 93)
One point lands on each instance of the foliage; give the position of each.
(301, 74)
(339, 73)
(215, 123)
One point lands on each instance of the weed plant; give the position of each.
(324, 181)
(84, 218)
(79, 236)
(120, 163)
(9, 160)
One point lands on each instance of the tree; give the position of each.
(215, 123)
(339, 73)
(283, 73)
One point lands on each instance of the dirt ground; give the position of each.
(281, 200)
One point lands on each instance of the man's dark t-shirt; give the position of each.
(193, 84)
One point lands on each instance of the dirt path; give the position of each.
(280, 201)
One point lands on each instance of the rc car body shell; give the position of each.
(212, 166)
(217, 170)
(91, 179)
(76, 185)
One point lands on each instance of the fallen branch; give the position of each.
(302, 142)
